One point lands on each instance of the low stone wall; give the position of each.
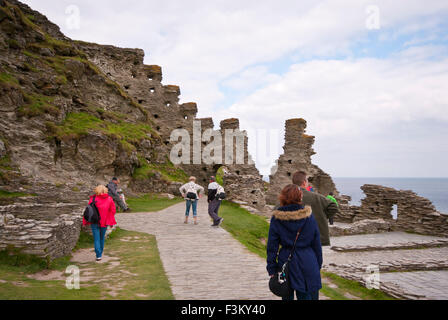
(360, 227)
(414, 213)
(46, 239)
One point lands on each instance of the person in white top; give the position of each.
(191, 192)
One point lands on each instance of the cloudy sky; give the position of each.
(370, 77)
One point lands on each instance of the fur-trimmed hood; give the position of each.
(292, 212)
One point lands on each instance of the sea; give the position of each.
(434, 189)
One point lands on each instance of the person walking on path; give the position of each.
(106, 208)
(306, 261)
(214, 202)
(189, 191)
(323, 208)
(112, 187)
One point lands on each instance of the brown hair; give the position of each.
(299, 178)
(290, 194)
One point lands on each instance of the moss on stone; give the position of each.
(36, 105)
(167, 170)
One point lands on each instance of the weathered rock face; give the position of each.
(414, 213)
(74, 114)
(297, 157)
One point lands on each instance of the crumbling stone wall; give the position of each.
(298, 149)
(45, 238)
(414, 213)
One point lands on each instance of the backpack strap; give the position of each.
(295, 241)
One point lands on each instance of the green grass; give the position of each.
(6, 194)
(151, 203)
(36, 105)
(220, 176)
(167, 170)
(252, 231)
(355, 288)
(77, 125)
(140, 257)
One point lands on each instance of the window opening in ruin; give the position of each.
(237, 172)
(156, 116)
(158, 128)
(167, 143)
(168, 104)
(150, 78)
(141, 101)
(133, 76)
(186, 117)
(290, 161)
(127, 87)
(394, 212)
(289, 174)
(152, 90)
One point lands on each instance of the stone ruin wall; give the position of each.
(414, 213)
(51, 238)
(144, 84)
(33, 224)
(298, 149)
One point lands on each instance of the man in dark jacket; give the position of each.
(213, 202)
(323, 208)
(112, 187)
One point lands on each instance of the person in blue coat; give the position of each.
(306, 261)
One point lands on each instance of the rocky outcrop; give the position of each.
(73, 114)
(297, 157)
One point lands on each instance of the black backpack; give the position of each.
(91, 213)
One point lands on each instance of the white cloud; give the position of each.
(361, 99)
(204, 44)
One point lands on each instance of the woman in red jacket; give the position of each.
(106, 207)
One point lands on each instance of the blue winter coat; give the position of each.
(307, 258)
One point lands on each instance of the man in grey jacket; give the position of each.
(323, 208)
(112, 187)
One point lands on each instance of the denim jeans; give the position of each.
(304, 296)
(194, 204)
(99, 235)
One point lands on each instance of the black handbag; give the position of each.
(280, 283)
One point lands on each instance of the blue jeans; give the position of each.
(99, 235)
(304, 296)
(194, 204)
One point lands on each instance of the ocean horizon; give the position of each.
(434, 189)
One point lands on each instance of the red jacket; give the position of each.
(106, 207)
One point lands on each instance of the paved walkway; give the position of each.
(202, 262)
(419, 279)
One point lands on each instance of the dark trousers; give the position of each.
(213, 207)
(304, 296)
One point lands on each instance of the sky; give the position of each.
(370, 77)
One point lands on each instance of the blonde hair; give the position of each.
(192, 179)
(99, 190)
